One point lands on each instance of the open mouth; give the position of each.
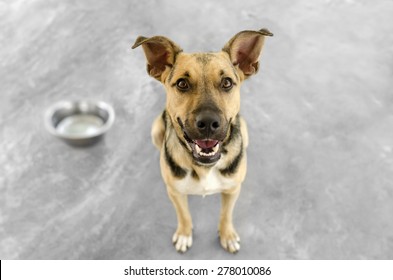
(206, 151)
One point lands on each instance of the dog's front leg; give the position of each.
(158, 131)
(228, 237)
(182, 239)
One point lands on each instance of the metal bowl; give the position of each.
(79, 123)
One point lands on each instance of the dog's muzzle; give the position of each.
(206, 139)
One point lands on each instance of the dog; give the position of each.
(201, 137)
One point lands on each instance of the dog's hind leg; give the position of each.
(229, 239)
(182, 239)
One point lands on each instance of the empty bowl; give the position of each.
(79, 123)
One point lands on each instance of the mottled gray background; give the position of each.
(320, 179)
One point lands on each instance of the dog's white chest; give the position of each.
(212, 182)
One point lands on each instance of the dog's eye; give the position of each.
(226, 84)
(182, 85)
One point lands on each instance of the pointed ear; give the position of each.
(159, 51)
(245, 48)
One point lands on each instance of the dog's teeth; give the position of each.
(205, 155)
(212, 153)
(198, 149)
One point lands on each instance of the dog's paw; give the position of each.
(230, 241)
(182, 242)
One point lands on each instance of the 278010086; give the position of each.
(228, 270)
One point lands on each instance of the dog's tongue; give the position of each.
(206, 144)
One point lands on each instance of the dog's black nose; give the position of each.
(207, 122)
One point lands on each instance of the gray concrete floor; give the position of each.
(320, 115)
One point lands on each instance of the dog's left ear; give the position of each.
(159, 51)
(245, 48)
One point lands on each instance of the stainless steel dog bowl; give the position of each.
(79, 123)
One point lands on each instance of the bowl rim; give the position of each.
(71, 103)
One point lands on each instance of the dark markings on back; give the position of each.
(194, 175)
(182, 143)
(234, 136)
(176, 170)
(234, 131)
(163, 116)
(233, 166)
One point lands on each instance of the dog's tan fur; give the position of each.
(204, 73)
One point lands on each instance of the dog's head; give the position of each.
(203, 89)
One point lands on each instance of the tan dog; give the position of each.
(201, 137)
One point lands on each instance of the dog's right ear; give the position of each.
(160, 52)
(245, 48)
